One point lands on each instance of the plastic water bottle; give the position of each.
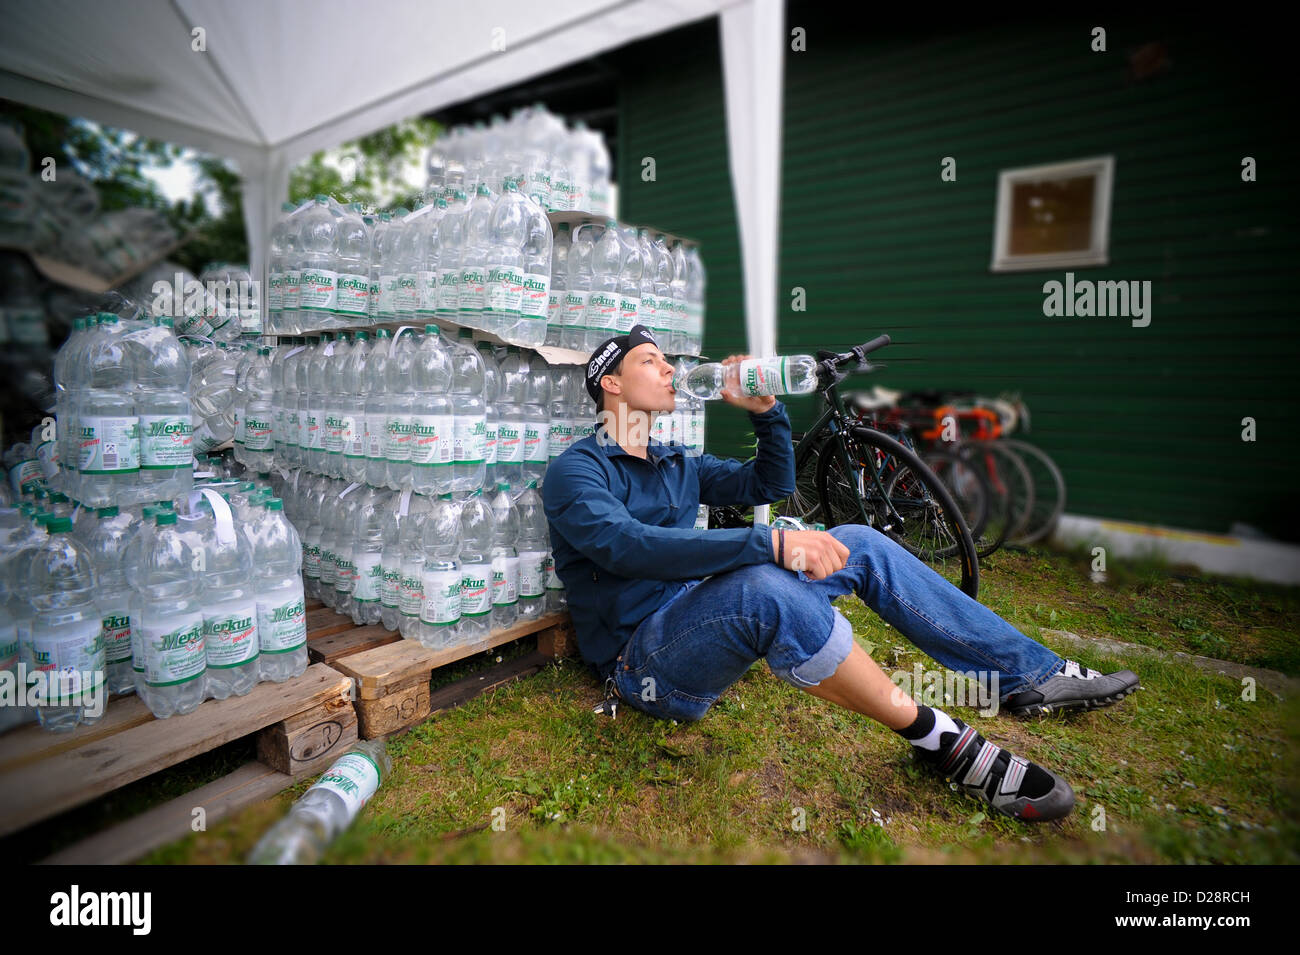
(336, 548)
(109, 460)
(230, 636)
(107, 543)
(678, 344)
(404, 512)
(629, 281)
(367, 556)
(534, 307)
(171, 622)
(319, 241)
(441, 581)
(504, 260)
(352, 408)
(789, 375)
(410, 580)
(65, 642)
(532, 549)
(696, 283)
(492, 415)
(469, 454)
(665, 304)
(376, 409)
(259, 436)
(536, 374)
(426, 258)
(561, 412)
(477, 533)
(473, 267)
(334, 400)
(648, 313)
(281, 613)
(512, 423)
(399, 404)
(559, 285)
(313, 527)
(505, 560)
(352, 262)
(315, 409)
(603, 306)
(433, 429)
(326, 809)
(451, 244)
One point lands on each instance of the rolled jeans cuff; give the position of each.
(825, 661)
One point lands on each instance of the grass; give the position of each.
(1183, 771)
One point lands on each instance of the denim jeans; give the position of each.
(684, 655)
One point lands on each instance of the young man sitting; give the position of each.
(670, 616)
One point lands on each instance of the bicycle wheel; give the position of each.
(804, 503)
(1049, 492)
(1008, 477)
(916, 510)
(970, 489)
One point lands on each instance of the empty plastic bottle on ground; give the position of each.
(326, 809)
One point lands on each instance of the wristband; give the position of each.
(780, 536)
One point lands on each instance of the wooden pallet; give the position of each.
(391, 675)
(363, 682)
(302, 725)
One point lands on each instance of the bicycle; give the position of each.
(861, 475)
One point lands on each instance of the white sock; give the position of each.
(942, 724)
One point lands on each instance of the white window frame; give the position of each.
(1103, 168)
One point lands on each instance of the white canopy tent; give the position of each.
(268, 82)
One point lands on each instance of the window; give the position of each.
(1054, 216)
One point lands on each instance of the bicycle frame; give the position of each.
(835, 422)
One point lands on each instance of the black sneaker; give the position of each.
(1010, 784)
(1073, 688)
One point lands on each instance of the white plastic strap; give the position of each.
(329, 349)
(221, 511)
(404, 503)
(204, 474)
(348, 490)
(294, 351)
(398, 334)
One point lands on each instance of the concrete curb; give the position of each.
(1279, 684)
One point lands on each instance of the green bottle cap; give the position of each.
(431, 329)
(503, 485)
(275, 504)
(165, 518)
(59, 525)
(104, 512)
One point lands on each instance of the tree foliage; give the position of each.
(368, 170)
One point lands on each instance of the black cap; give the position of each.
(610, 352)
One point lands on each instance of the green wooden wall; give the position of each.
(1146, 423)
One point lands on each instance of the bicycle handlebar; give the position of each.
(830, 363)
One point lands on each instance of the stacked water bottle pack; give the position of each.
(189, 598)
(479, 250)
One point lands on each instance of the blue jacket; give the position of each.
(623, 529)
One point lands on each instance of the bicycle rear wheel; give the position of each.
(916, 510)
(1049, 493)
(970, 489)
